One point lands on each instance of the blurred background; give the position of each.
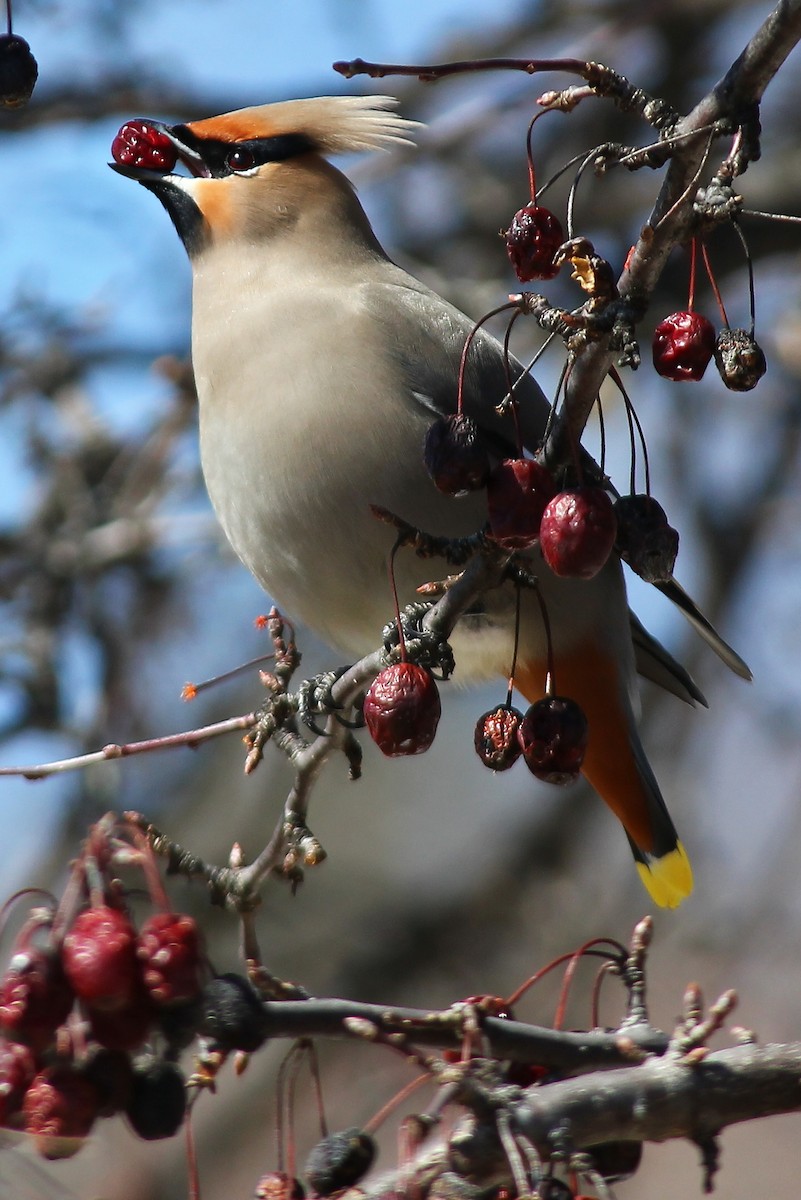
(116, 587)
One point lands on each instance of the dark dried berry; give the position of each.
(683, 346)
(125, 1027)
(278, 1185)
(170, 949)
(138, 144)
(179, 1024)
(496, 739)
(60, 1107)
(554, 739)
(532, 241)
(233, 1016)
(645, 540)
(111, 1071)
(157, 1104)
(339, 1161)
(739, 359)
(18, 71)
(35, 998)
(99, 957)
(17, 1069)
(616, 1160)
(518, 491)
(402, 709)
(456, 456)
(577, 532)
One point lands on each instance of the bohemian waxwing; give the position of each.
(320, 366)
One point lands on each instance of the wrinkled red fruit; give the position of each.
(402, 709)
(170, 949)
(339, 1161)
(532, 241)
(683, 346)
(577, 532)
(18, 71)
(17, 1069)
(278, 1185)
(35, 998)
(60, 1107)
(99, 956)
(739, 359)
(140, 145)
(518, 491)
(496, 739)
(645, 540)
(554, 739)
(126, 1026)
(455, 455)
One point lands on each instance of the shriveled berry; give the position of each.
(340, 1160)
(17, 1069)
(455, 455)
(18, 71)
(111, 1071)
(683, 346)
(402, 709)
(739, 359)
(35, 998)
(178, 1024)
(60, 1107)
(99, 956)
(496, 739)
(157, 1104)
(554, 739)
(532, 241)
(518, 491)
(233, 1016)
(138, 144)
(170, 949)
(645, 539)
(577, 532)
(278, 1185)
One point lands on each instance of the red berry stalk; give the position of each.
(684, 342)
(535, 233)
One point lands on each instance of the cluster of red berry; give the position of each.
(139, 144)
(94, 1012)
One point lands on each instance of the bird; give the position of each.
(320, 365)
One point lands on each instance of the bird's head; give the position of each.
(257, 171)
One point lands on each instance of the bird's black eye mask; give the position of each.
(223, 158)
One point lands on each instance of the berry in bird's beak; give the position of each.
(139, 144)
(577, 532)
(18, 71)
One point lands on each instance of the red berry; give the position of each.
(496, 737)
(683, 346)
(99, 956)
(35, 998)
(402, 709)
(60, 1107)
(739, 359)
(170, 948)
(18, 71)
(278, 1185)
(138, 144)
(644, 538)
(125, 1027)
(554, 739)
(17, 1069)
(517, 492)
(577, 532)
(455, 455)
(532, 241)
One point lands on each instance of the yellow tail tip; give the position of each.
(669, 879)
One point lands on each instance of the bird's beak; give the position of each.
(186, 155)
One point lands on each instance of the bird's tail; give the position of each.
(616, 766)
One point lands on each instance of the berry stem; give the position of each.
(469, 341)
(613, 955)
(515, 647)
(387, 1109)
(602, 430)
(571, 199)
(190, 690)
(394, 587)
(693, 263)
(750, 264)
(714, 283)
(570, 971)
(634, 421)
(150, 870)
(510, 384)
(532, 177)
(191, 1158)
(8, 17)
(550, 683)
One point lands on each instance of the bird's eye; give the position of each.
(240, 159)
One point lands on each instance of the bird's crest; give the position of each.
(333, 124)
